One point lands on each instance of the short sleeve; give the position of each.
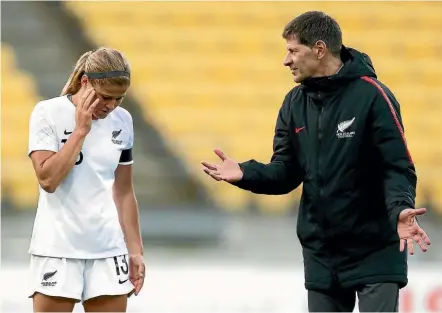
(126, 157)
(41, 133)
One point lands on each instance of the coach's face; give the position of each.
(301, 59)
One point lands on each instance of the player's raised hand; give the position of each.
(228, 170)
(137, 271)
(409, 231)
(84, 111)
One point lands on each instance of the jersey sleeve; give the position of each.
(126, 157)
(41, 132)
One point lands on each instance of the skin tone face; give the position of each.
(110, 96)
(305, 62)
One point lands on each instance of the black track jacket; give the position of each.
(342, 137)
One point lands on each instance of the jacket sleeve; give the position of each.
(283, 174)
(399, 171)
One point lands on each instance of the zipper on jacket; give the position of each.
(325, 225)
(324, 221)
(318, 157)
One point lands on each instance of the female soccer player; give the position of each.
(86, 243)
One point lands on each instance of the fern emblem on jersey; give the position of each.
(115, 134)
(343, 126)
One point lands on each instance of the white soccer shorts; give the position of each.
(80, 279)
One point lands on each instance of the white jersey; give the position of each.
(80, 219)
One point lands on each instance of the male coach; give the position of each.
(340, 133)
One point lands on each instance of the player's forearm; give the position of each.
(129, 219)
(56, 168)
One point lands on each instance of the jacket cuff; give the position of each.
(394, 215)
(247, 177)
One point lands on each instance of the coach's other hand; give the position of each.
(409, 231)
(228, 170)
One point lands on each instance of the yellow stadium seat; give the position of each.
(19, 95)
(210, 73)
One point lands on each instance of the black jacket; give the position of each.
(342, 137)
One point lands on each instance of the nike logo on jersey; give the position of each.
(66, 132)
(298, 129)
(122, 281)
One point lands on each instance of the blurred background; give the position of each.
(208, 75)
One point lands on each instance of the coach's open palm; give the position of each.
(409, 231)
(228, 170)
(137, 271)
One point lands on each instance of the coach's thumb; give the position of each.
(220, 154)
(420, 211)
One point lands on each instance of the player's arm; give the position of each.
(127, 205)
(283, 174)
(389, 139)
(50, 164)
(124, 195)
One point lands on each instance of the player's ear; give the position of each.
(84, 80)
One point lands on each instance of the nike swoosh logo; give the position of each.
(298, 129)
(66, 132)
(122, 281)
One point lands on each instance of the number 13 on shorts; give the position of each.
(121, 268)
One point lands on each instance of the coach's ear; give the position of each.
(320, 49)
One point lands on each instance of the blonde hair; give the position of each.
(101, 60)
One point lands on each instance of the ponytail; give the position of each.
(73, 84)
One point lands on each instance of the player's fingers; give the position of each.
(141, 271)
(410, 246)
(220, 154)
(84, 97)
(209, 166)
(90, 100)
(138, 286)
(402, 245)
(91, 109)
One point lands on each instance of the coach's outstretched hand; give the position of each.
(409, 231)
(228, 170)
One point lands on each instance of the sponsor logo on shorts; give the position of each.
(47, 279)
